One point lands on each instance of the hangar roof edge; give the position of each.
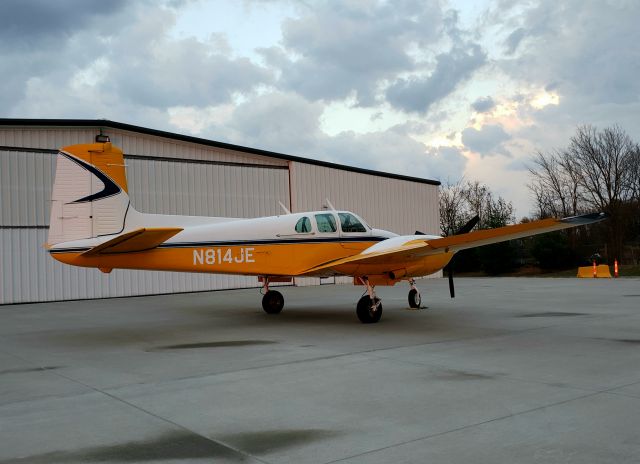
(97, 123)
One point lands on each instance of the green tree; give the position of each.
(552, 251)
(459, 202)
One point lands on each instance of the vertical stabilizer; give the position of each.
(89, 196)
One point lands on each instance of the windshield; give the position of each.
(350, 223)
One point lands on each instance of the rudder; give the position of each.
(90, 197)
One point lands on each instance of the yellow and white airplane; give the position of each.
(94, 225)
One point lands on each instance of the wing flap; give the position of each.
(136, 240)
(396, 254)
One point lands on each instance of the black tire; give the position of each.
(415, 300)
(272, 302)
(366, 313)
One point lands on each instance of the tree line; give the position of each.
(599, 170)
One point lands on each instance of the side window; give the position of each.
(303, 225)
(349, 223)
(326, 223)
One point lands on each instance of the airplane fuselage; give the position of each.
(269, 246)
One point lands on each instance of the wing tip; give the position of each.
(589, 218)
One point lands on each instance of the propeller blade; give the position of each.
(452, 290)
(465, 229)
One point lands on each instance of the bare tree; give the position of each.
(452, 208)
(598, 171)
(555, 184)
(498, 212)
(459, 202)
(602, 160)
(633, 168)
(493, 212)
(475, 194)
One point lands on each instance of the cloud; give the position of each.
(485, 141)
(50, 41)
(419, 93)
(339, 49)
(393, 151)
(513, 40)
(121, 64)
(483, 104)
(408, 63)
(288, 123)
(42, 23)
(184, 72)
(280, 122)
(584, 47)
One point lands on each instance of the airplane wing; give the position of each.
(501, 234)
(136, 240)
(421, 248)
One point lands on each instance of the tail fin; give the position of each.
(89, 196)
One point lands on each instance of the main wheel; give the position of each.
(272, 302)
(414, 298)
(367, 312)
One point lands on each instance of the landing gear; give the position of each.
(369, 309)
(272, 301)
(415, 300)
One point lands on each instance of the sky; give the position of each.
(440, 89)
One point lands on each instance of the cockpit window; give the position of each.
(350, 223)
(326, 223)
(303, 225)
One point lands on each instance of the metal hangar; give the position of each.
(171, 173)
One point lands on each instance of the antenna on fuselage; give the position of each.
(286, 210)
(328, 205)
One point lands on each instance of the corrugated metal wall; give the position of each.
(158, 183)
(397, 205)
(166, 176)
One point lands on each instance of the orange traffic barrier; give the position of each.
(589, 272)
(595, 269)
(615, 268)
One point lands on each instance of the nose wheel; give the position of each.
(272, 301)
(415, 300)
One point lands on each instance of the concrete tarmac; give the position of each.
(514, 370)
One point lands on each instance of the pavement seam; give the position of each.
(495, 419)
(504, 377)
(145, 411)
(168, 421)
(464, 427)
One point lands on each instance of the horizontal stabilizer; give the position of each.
(136, 240)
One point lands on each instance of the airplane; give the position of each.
(93, 224)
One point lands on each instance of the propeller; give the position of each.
(465, 229)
